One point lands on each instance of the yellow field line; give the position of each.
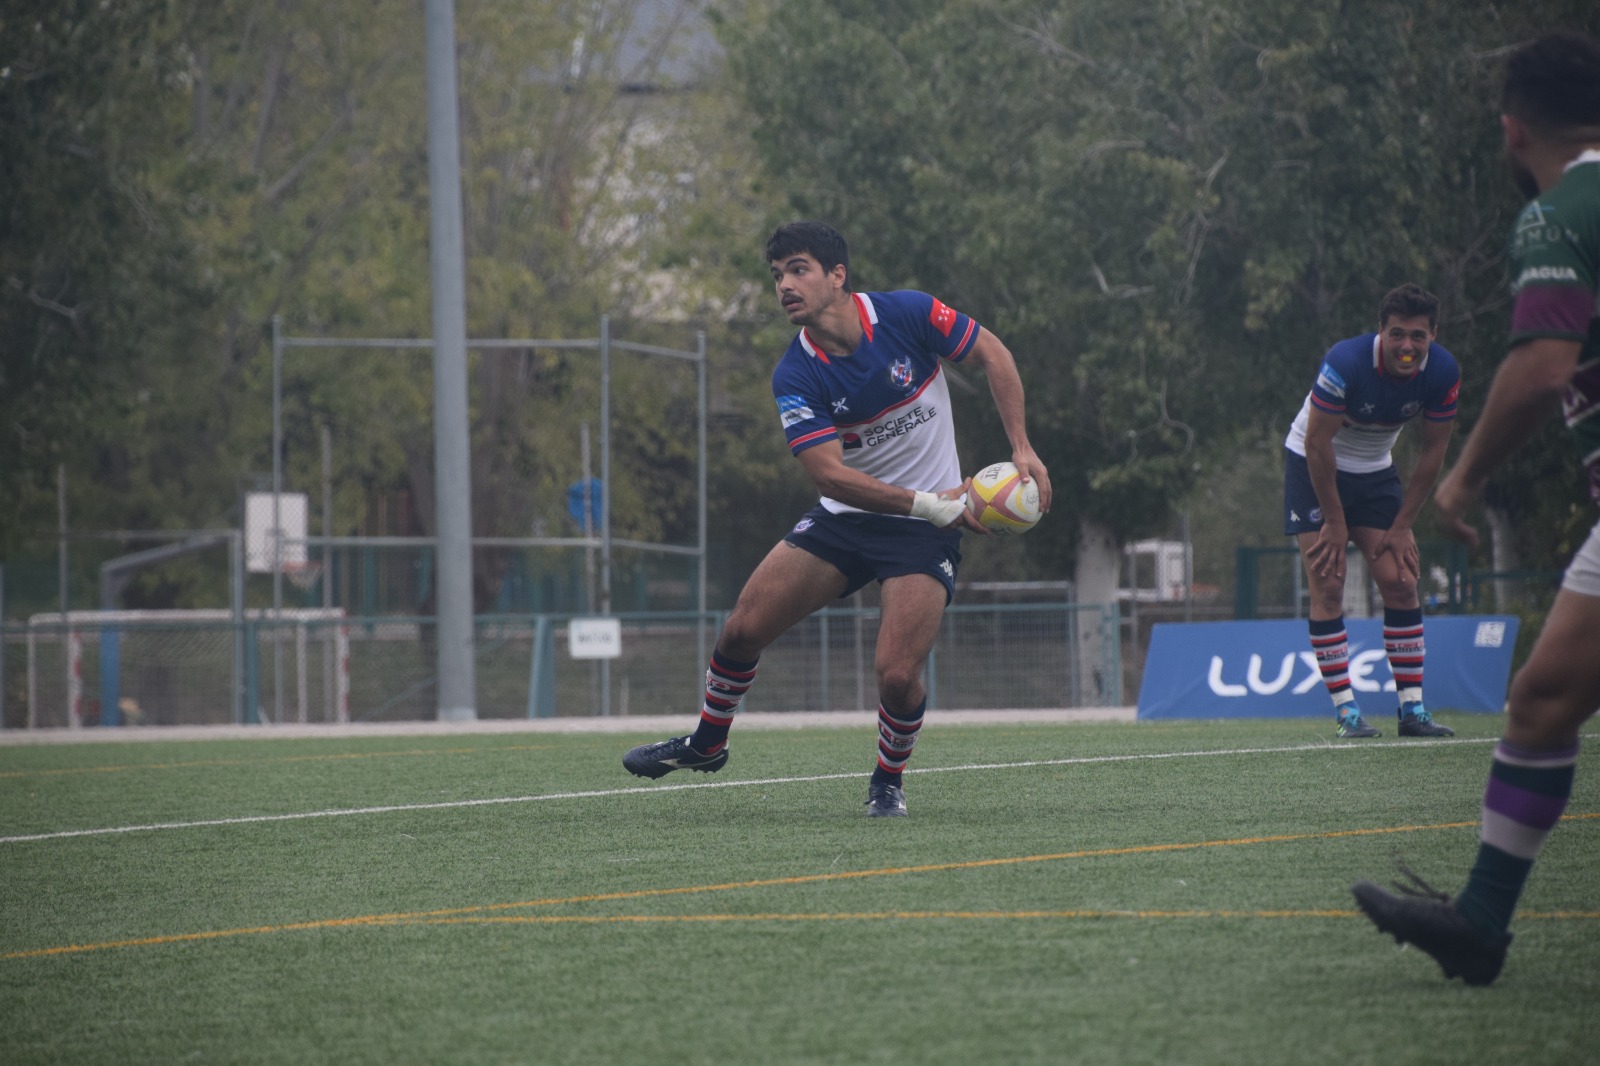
(589, 919)
(463, 914)
(863, 916)
(71, 770)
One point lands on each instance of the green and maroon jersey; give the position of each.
(1555, 264)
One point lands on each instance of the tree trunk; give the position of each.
(1502, 557)
(1096, 578)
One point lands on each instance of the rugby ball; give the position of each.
(1002, 501)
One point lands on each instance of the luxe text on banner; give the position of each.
(1267, 670)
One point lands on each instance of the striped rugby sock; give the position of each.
(896, 738)
(727, 680)
(1331, 645)
(1525, 797)
(1402, 640)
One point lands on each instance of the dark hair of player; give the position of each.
(1407, 301)
(818, 239)
(1553, 82)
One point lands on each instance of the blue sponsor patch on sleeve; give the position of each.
(794, 410)
(1330, 381)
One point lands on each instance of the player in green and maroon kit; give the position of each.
(1551, 117)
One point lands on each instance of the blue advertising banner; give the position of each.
(1267, 670)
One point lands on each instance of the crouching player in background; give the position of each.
(1340, 485)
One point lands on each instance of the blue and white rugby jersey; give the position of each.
(1375, 406)
(888, 402)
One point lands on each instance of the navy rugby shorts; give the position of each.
(872, 547)
(1370, 500)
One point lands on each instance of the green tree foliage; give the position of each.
(1168, 210)
(96, 279)
(234, 161)
(569, 181)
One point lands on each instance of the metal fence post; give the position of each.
(1111, 630)
(252, 675)
(541, 671)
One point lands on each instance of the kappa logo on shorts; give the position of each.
(949, 571)
(803, 525)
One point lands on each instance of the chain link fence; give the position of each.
(308, 666)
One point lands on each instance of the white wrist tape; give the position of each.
(939, 511)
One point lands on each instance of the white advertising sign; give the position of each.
(594, 638)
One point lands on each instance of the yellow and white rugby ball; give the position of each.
(1002, 501)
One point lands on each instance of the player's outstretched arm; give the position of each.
(1400, 538)
(1526, 391)
(825, 465)
(1005, 385)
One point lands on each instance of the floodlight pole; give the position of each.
(605, 500)
(700, 492)
(451, 459)
(277, 519)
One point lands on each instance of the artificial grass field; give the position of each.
(1183, 899)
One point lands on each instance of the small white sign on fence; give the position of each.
(594, 638)
(269, 546)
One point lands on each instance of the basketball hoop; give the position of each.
(302, 575)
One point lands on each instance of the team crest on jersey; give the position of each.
(901, 375)
(1532, 216)
(1410, 410)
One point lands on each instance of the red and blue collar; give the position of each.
(869, 318)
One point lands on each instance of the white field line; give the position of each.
(699, 785)
(665, 724)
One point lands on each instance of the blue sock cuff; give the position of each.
(1398, 618)
(916, 715)
(719, 659)
(1326, 627)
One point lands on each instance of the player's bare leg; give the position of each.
(1397, 586)
(913, 605)
(787, 586)
(1402, 631)
(1530, 782)
(1329, 641)
(1558, 688)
